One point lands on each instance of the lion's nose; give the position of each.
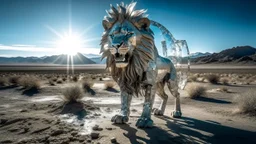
(117, 55)
(117, 45)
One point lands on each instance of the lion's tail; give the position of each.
(183, 73)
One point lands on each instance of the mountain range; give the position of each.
(235, 55)
(54, 59)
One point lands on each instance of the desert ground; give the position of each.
(33, 108)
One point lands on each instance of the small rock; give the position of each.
(97, 114)
(13, 130)
(57, 132)
(6, 141)
(23, 110)
(97, 128)
(95, 135)
(3, 121)
(109, 128)
(113, 140)
(82, 124)
(26, 129)
(74, 133)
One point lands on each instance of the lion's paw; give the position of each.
(119, 119)
(144, 122)
(158, 112)
(176, 114)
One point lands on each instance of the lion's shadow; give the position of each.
(189, 130)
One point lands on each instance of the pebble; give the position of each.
(3, 121)
(109, 128)
(113, 140)
(57, 132)
(95, 135)
(23, 110)
(97, 128)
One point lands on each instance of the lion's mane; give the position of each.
(130, 77)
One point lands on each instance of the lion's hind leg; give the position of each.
(173, 87)
(164, 97)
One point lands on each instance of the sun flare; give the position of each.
(69, 44)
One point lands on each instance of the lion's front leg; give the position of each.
(145, 119)
(123, 116)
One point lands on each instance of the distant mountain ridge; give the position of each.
(54, 59)
(199, 54)
(235, 55)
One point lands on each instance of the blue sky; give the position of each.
(27, 26)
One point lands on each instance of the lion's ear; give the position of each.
(106, 24)
(144, 23)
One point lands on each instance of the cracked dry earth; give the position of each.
(42, 118)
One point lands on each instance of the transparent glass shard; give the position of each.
(177, 51)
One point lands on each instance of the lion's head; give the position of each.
(127, 42)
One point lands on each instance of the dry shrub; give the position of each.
(87, 85)
(51, 83)
(59, 81)
(195, 90)
(109, 84)
(247, 102)
(213, 78)
(54, 79)
(75, 78)
(224, 81)
(224, 89)
(192, 78)
(3, 81)
(73, 93)
(29, 82)
(64, 78)
(14, 80)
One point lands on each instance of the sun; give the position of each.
(69, 44)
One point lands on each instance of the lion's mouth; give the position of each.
(121, 59)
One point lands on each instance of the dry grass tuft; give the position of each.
(195, 90)
(59, 81)
(224, 89)
(213, 78)
(109, 84)
(193, 78)
(14, 80)
(51, 82)
(75, 78)
(87, 85)
(73, 93)
(29, 82)
(3, 81)
(247, 102)
(224, 81)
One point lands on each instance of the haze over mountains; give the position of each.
(235, 55)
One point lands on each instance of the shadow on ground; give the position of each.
(189, 130)
(7, 87)
(110, 89)
(212, 100)
(30, 92)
